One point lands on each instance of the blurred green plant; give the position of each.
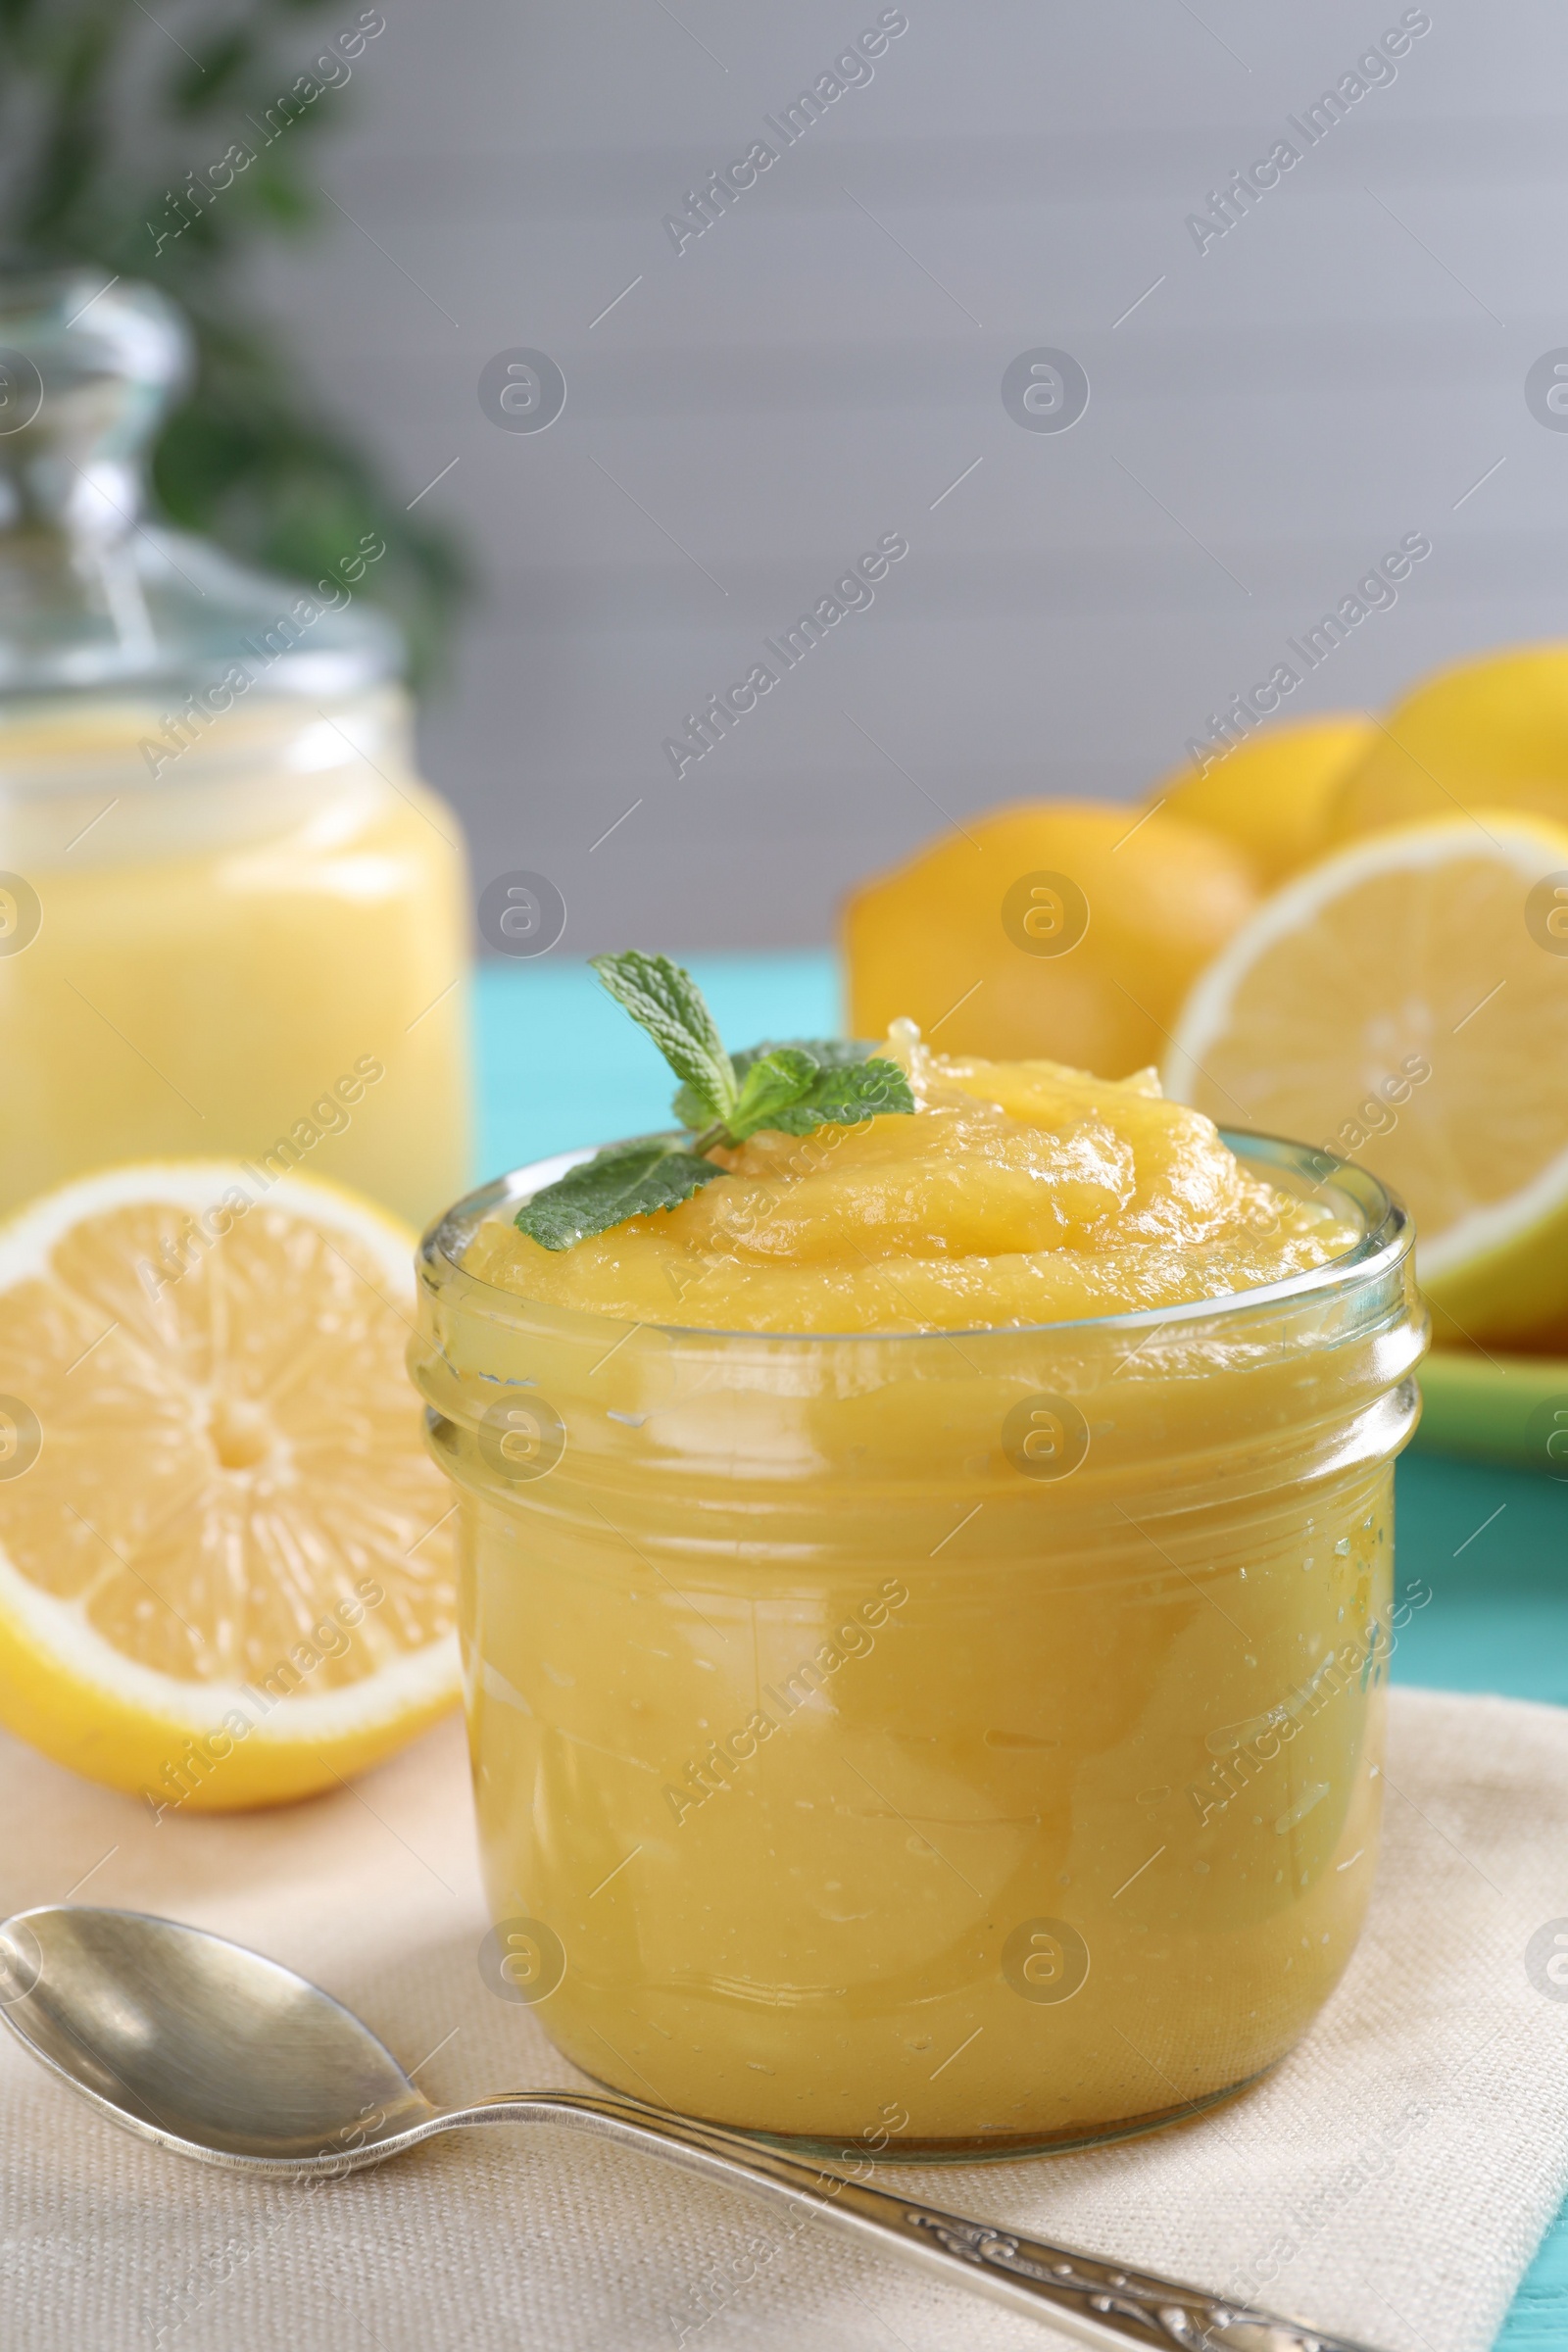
(116, 130)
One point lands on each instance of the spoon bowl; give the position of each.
(221, 2054)
(198, 2044)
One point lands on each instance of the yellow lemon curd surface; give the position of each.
(1019, 1193)
(906, 1696)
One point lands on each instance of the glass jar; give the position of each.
(978, 1729)
(232, 921)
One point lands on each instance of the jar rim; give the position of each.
(1388, 1235)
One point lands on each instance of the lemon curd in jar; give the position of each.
(260, 952)
(926, 1608)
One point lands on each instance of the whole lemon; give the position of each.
(1487, 733)
(1272, 794)
(1063, 929)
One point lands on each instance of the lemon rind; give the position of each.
(29, 1233)
(85, 1660)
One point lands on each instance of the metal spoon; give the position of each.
(214, 2051)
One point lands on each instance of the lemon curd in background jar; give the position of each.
(260, 954)
(232, 922)
(952, 1683)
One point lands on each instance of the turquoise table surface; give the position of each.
(560, 1066)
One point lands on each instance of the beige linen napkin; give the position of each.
(1390, 2181)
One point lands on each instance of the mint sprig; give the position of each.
(626, 1180)
(668, 1003)
(791, 1088)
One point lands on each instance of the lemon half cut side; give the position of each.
(226, 1559)
(1405, 1005)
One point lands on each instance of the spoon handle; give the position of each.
(1100, 2303)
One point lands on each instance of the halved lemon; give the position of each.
(1405, 1005)
(225, 1564)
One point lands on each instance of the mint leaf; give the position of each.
(668, 1003)
(625, 1180)
(828, 1052)
(823, 1052)
(690, 1108)
(845, 1095)
(811, 1082)
(773, 1082)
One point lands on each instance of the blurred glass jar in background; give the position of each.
(232, 921)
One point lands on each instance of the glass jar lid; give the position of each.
(93, 596)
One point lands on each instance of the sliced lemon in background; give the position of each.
(1272, 794)
(1405, 1005)
(1491, 732)
(225, 1568)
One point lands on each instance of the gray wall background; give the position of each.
(1343, 367)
